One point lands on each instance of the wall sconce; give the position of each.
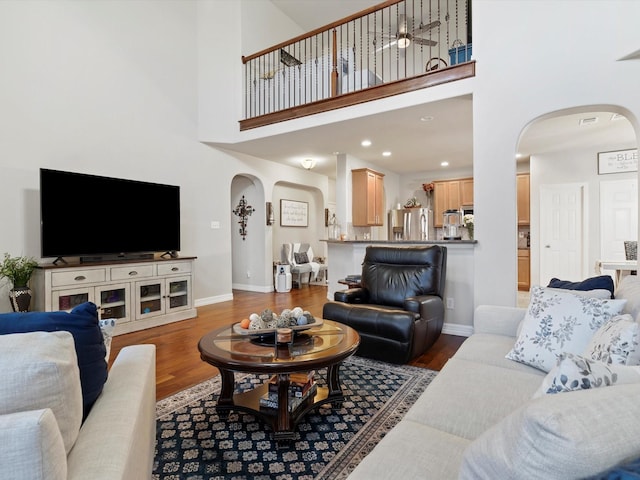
(270, 218)
(243, 210)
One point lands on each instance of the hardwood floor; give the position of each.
(178, 364)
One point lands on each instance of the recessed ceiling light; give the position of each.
(366, 143)
(426, 118)
(444, 164)
(335, 153)
(386, 154)
(518, 155)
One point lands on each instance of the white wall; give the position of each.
(522, 78)
(111, 88)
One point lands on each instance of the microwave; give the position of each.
(467, 209)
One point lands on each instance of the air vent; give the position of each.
(588, 121)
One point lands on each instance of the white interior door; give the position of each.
(618, 217)
(562, 243)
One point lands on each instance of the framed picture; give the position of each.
(618, 161)
(294, 213)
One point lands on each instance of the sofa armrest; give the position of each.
(32, 446)
(352, 295)
(117, 440)
(498, 320)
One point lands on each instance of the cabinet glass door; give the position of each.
(69, 299)
(149, 299)
(114, 302)
(179, 293)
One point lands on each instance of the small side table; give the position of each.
(349, 283)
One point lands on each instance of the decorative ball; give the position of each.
(296, 312)
(245, 323)
(255, 324)
(302, 320)
(254, 317)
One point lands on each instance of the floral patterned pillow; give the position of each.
(617, 341)
(575, 372)
(559, 322)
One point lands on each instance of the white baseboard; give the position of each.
(457, 329)
(252, 288)
(200, 302)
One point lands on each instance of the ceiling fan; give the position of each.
(407, 34)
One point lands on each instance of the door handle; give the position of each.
(547, 246)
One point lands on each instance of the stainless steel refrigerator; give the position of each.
(411, 224)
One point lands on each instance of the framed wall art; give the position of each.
(294, 213)
(618, 161)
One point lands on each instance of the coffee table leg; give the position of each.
(333, 382)
(225, 399)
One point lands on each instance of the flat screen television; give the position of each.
(95, 217)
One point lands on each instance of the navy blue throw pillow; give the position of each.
(603, 282)
(82, 323)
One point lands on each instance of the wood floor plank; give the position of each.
(178, 363)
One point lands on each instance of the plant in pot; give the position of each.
(18, 270)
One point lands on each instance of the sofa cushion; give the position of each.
(32, 446)
(593, 283)
(561, 437)
(575, 372)
(557, 322)
(82, 323)
(617, 341)
(629, 289)
(40, 370)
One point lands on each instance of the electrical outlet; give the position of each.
(450, 303)
(248, 274)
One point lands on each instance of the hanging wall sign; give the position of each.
(294, 213)
(619, 161)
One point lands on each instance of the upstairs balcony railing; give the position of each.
(376, 50)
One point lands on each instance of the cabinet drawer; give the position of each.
(132, 271)
(174, 267)
(78, 277)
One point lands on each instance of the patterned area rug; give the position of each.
(194, 443)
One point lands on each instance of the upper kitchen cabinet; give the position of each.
(523, 192)
(450, 195)
(367, 202)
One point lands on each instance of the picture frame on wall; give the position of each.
(618, 161)
(294, 213)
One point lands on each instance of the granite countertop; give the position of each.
(407, 242)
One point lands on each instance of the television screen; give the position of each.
(88, 215)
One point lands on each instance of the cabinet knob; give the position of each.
(132, 273)
(175, 269)
(79, 278)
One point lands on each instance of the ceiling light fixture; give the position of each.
(308, 163)
(366, 143)
(403, 42)
(386, 154)
(444, 164)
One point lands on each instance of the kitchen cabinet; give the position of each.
(523, 196)
(524, 269)
(367, 198)
(450, 195)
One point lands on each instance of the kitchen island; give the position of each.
(344, 257)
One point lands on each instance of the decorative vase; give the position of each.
(470, 231)
(20, 298)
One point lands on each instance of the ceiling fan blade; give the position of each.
(385, 46)
(425, 28)
(425, 41)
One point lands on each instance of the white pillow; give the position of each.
(40, 370)
(617, 341)
(629, 289)
(575, 372)
(310, 254)
(557, 322)
(559, 437)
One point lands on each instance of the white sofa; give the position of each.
(42, 435)
(478, 418)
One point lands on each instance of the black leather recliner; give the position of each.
(398, 310)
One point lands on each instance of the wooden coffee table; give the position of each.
(312, 349)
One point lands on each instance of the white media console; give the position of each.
(138, 294)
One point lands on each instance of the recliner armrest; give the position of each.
(352, 295)
(427, 306)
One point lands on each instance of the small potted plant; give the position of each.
(18, 270)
